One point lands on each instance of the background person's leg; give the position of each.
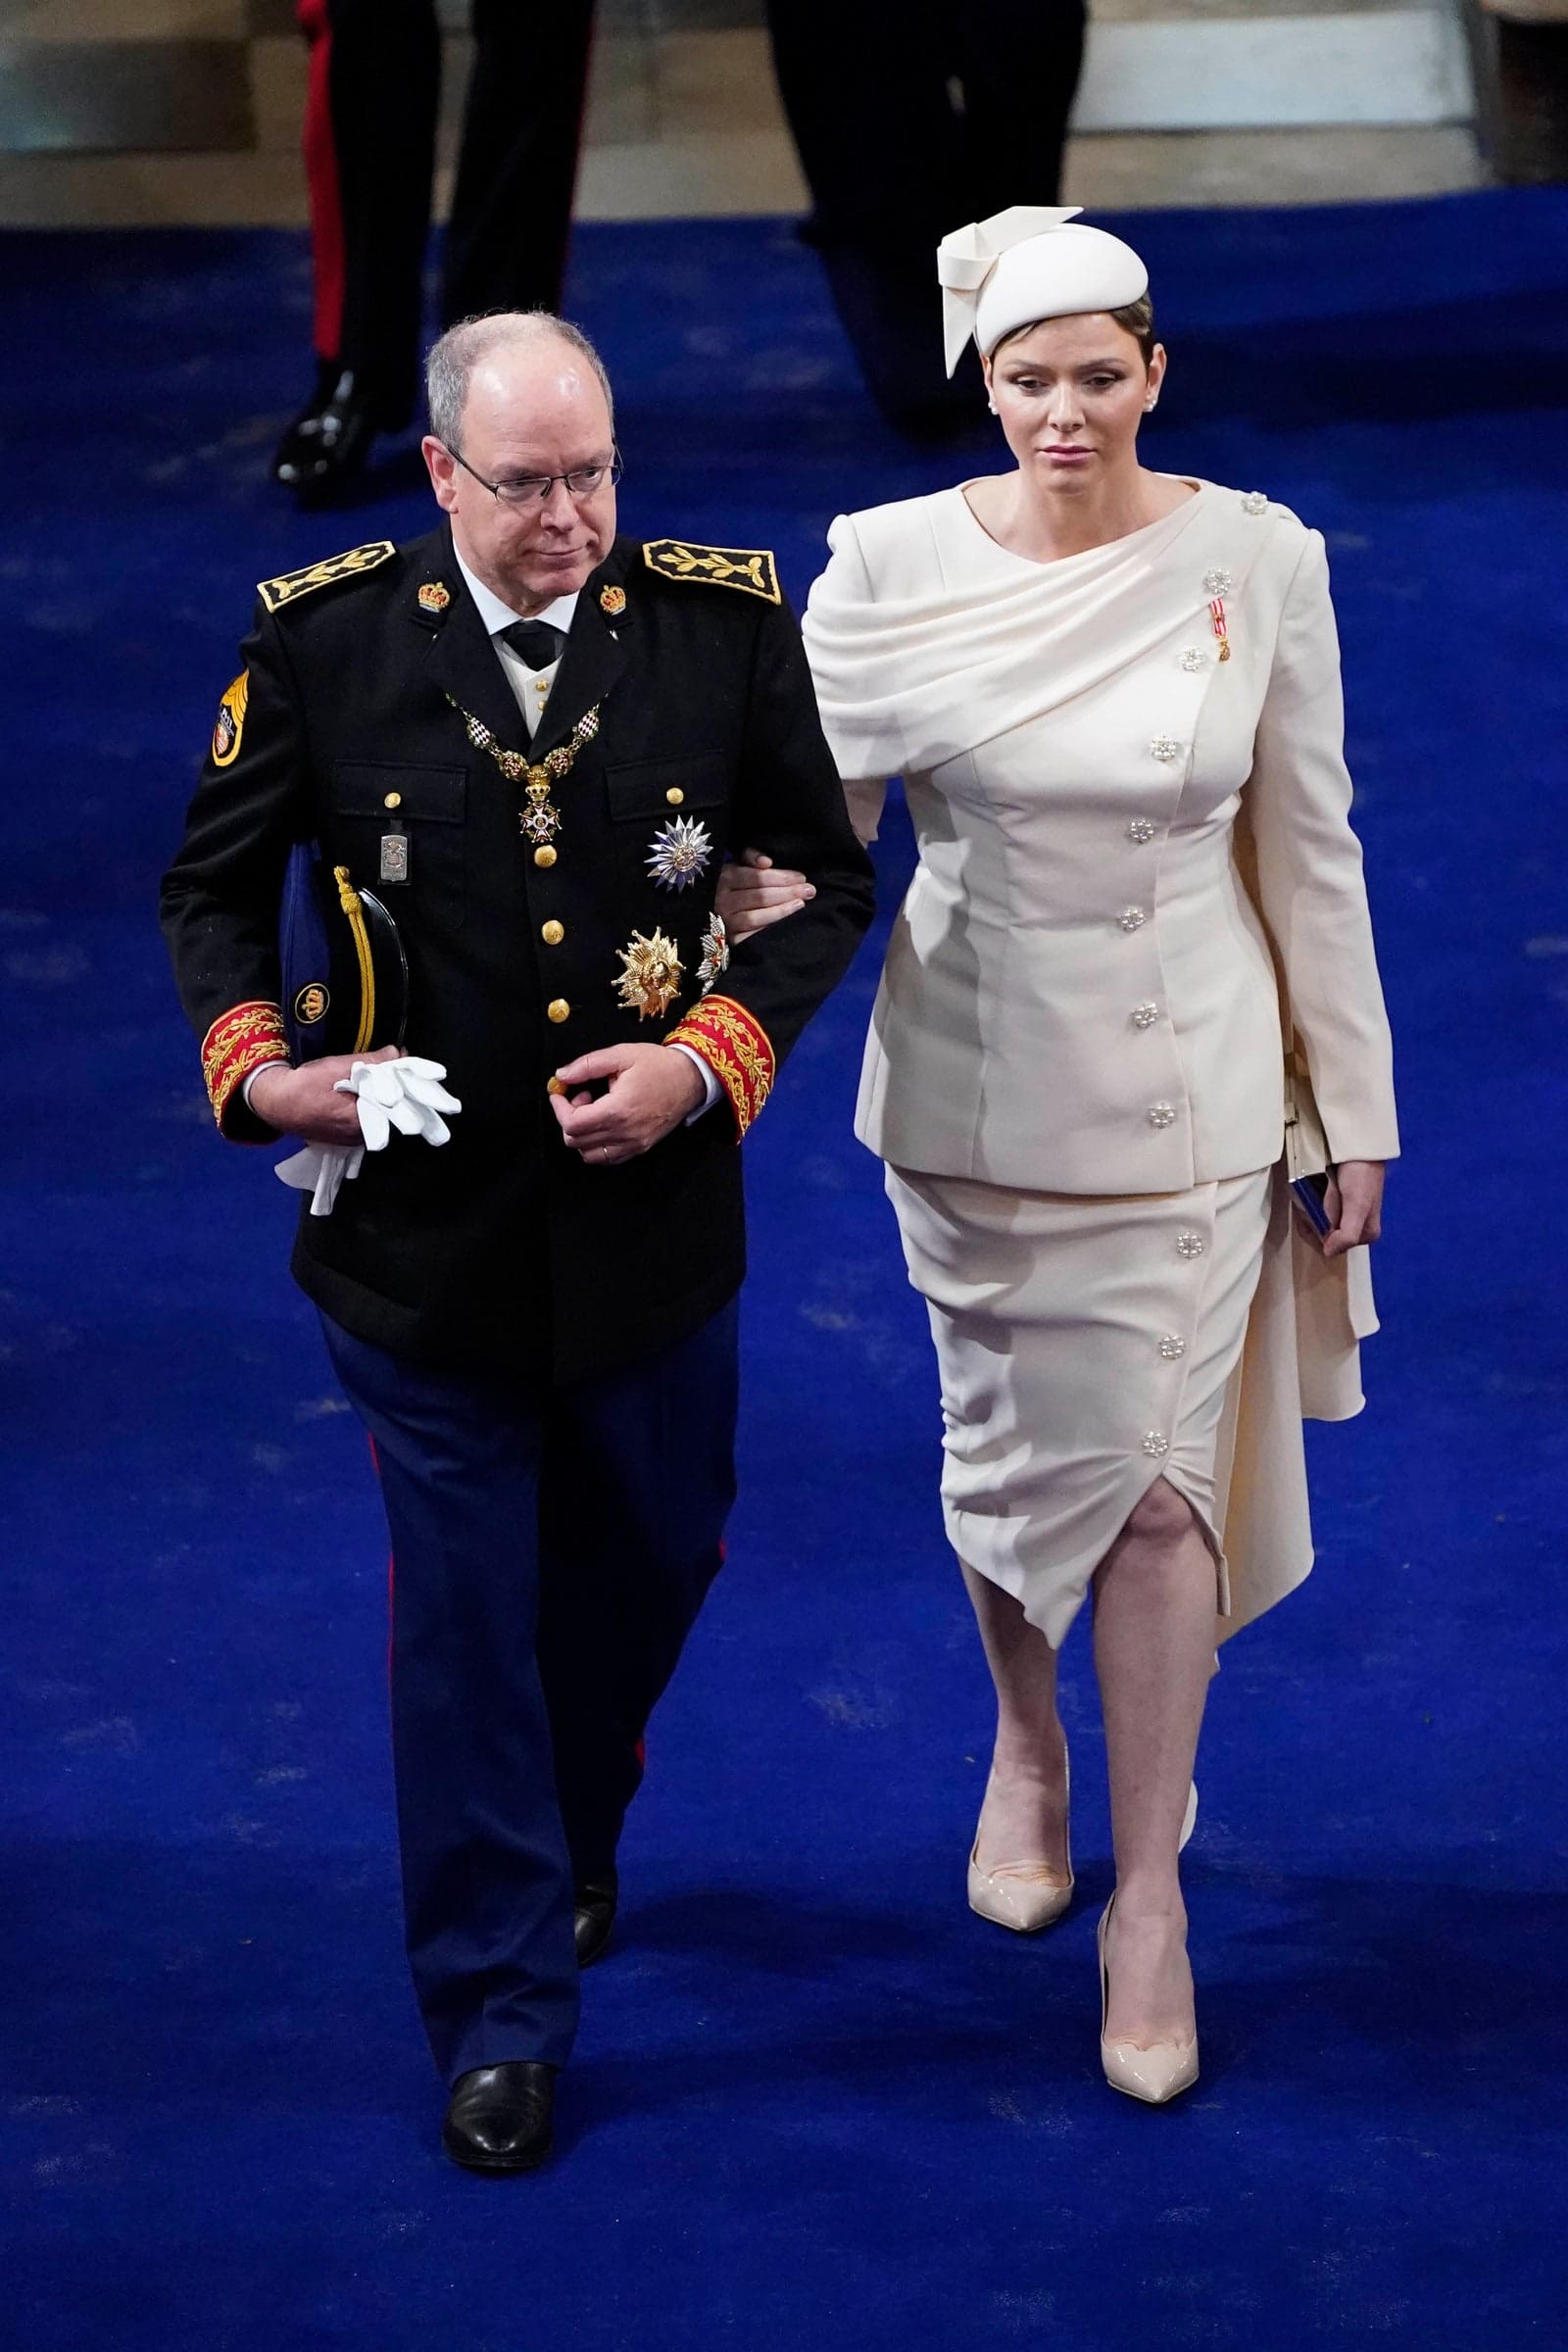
(507, 238)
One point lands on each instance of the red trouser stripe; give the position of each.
(327, 260)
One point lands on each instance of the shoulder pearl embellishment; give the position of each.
(1256, 502)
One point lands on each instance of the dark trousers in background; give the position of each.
(549, 1556)
(911, 117)
(370, 153)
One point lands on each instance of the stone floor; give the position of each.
(1184, 102)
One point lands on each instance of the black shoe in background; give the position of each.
(324, 448)
(498, 2120)
(593, 1915)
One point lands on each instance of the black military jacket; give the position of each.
(503, 1249)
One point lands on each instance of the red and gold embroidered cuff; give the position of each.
(735, 1048)
(238, 1042)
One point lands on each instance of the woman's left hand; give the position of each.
(753, 892)
(1354, 1203)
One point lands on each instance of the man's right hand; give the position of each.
(301, 1101)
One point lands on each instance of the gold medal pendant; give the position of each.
(539, 820)
(650, 979)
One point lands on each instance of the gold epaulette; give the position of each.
(347, 567)
(748, 568)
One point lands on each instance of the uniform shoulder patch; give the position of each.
(347, 567)
(750, 569)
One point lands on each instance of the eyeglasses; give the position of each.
(581, 482)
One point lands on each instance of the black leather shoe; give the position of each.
(499, 2117)
(593, 1915)
(325, 447)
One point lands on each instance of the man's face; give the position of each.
(534, 409)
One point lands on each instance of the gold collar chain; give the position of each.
(541, 821)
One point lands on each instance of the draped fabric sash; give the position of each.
(989, 642)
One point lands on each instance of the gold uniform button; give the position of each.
(394, 800)
(559, 1009)
(674, 796)
(553, 934)
(543, 857)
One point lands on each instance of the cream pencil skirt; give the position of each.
(1086, 1347)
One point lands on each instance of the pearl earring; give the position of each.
(991, 406)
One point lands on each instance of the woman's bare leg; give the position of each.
(1154, 1605)
(1025, 1817)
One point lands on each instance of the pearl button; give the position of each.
(543, 857)
(1256, 502)
(1165, 747)
(552, 933)
(1217, 582)
(394, 800)
(1133, 918)
(1189, 1245)
(1145, 1016)
(1142, 828)
(559, 1009)
(1193, 659)
(674, 796)
(1155, 1444)
(1160, 1114)
(1172, 1349)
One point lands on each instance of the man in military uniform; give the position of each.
(534, 741)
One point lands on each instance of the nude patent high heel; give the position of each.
(1026, 1897)
(1154, 2072)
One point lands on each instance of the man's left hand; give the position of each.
(651, 1090)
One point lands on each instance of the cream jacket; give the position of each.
(1080, 993)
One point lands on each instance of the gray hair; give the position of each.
(449, 370)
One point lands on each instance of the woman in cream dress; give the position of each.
(1137, 938)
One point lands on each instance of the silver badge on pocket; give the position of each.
(394, 858)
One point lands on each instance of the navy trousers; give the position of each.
(550, 1554)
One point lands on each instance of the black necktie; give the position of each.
(538, 643)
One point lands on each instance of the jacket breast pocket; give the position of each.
(374, 801)
(649, 798)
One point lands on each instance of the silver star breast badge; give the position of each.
(680, 851)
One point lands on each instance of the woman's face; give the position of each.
(1072, 394)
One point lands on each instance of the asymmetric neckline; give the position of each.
(1126, 539)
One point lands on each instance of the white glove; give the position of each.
(407, 1094)
(319, 1171)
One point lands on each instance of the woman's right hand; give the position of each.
(753, 892)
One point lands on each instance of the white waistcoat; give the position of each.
(1080, 992)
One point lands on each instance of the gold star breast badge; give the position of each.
(650, 979)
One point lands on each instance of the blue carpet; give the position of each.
(816, 2102)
